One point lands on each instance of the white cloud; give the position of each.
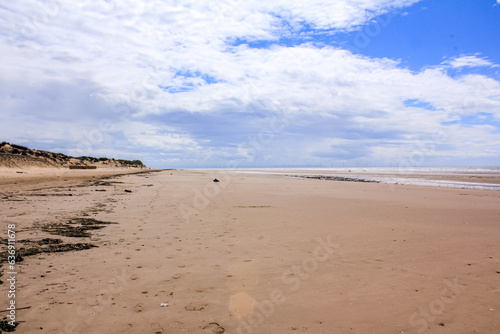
(163, 140)
(139, 64)
(468, 61)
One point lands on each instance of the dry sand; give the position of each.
(254, 254)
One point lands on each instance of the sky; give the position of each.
(254, 83)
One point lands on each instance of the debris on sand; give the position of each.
(68, 230)
(75, 227)
(89, 222)
(44, 241)
(6, 327)
(336, 178)
(81, 231)
(54, 249)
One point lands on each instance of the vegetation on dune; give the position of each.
(130, 162)
(120, 161)
(62, 159)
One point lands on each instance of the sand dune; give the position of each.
(21, 157)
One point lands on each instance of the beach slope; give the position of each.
(175, 252)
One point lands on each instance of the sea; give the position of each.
(483, 177)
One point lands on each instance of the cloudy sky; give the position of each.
(254, 83)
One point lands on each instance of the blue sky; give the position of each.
(235, 83)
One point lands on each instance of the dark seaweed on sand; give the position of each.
(76, 227)
(89, 222)
(6, 327)
(55, 249)
(68, 230)
(337, 178)
(46, 245)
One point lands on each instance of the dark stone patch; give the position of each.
(336, 178)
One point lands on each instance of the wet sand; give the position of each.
(254, 254)
(464, 177)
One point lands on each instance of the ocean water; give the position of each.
(399, 175)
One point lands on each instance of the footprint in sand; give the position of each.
(177, 325)
(157, 329)
(138, 308)
(196, 307)
(213, 327)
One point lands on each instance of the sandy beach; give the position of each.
(253, 253)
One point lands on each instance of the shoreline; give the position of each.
(473, 180)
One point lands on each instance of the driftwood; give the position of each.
(20, 308)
